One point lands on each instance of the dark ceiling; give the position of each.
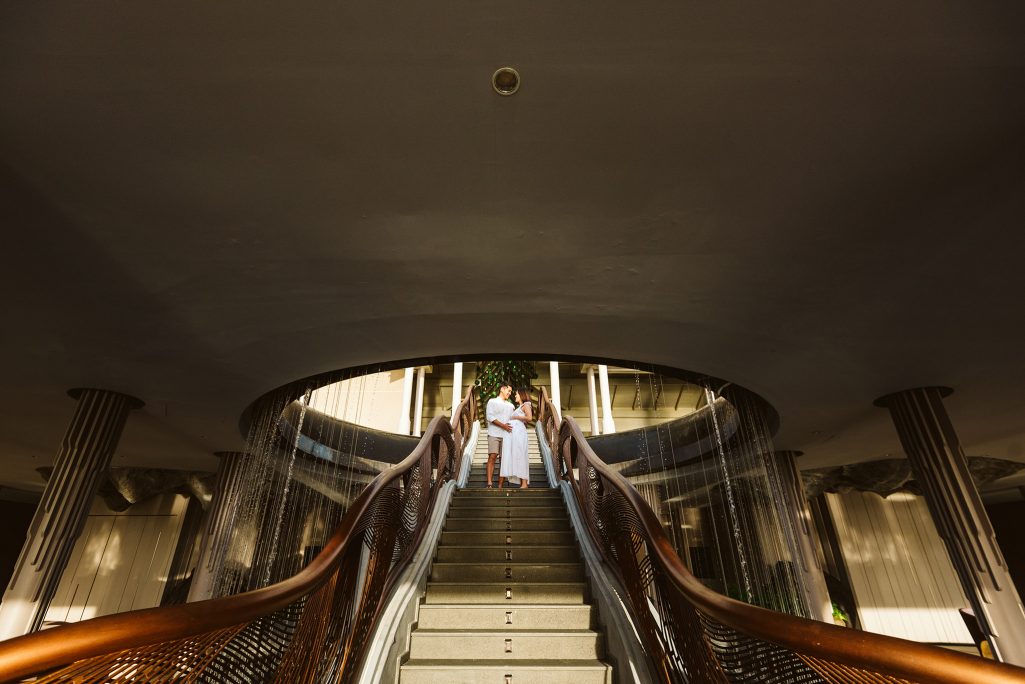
(201, 201)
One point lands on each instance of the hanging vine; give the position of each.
(491, 375)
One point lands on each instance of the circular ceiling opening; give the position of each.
(505, 81)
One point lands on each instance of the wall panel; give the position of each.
(903, 581)
(120, 561)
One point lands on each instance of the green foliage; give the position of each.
(839, 614)
(491, 375)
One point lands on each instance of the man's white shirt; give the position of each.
(501, 410)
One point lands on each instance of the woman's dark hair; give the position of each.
(523, 393)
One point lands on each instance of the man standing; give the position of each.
(498, 412)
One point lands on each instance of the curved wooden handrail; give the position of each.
(46, 650)
(818, 641)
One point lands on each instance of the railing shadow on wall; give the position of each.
(694, 634)
(311, 627)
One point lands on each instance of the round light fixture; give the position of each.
(505, 81)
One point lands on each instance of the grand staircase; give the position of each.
(506, 601)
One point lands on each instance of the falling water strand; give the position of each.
(790, 584)
(667, 483)
(737, 534)
(284, 494)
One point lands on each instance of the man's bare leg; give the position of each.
(491, 468)
(501, 481)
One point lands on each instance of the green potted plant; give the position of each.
(840, 615)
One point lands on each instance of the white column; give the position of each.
(556, 392)
(608, 426)
(82, 462)
(418, 410)
(407, 396)
(457, 384)
(592, 402)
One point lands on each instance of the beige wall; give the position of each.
(373, 400)
(902, 578)
(120, 561)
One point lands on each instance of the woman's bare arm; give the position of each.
(528, 414)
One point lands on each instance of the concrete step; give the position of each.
(518, 671)
(502, 616)
(507, 512)
(513, 537)
(482, 470)
(534, 477)
(567, 553)
(532, 493)
(457, 644)
(482, 485)
(519, 522)
(473, 501)
(507, 571)
(534, 496)
(508, 592)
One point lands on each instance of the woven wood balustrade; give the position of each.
(313, 627)
(693, 634)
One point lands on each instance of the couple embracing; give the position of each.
(507, 435)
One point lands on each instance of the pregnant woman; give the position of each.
(515, 463)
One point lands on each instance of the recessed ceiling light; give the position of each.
(505, 81)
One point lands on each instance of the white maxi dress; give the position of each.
(515, 462)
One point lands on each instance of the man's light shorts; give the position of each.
(494, 445)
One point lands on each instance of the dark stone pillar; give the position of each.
(81, 463)
(219, 525)
(802, 544)
(941, 469)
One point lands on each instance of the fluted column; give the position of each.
(941, 469)
(219, 526)
(608, 426)
(803, 550)
(81, 463)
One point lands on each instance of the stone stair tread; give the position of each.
(518, 547)
(538, 490)
(504, 584)
(492, 518)
(495, 615)
(522, 672)
(508, 524)
(529, 664)
(504, 606)
(524, 663)
(532, 554)
(561, 532)
(552, 510)
(509, 563)
(507, 632)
